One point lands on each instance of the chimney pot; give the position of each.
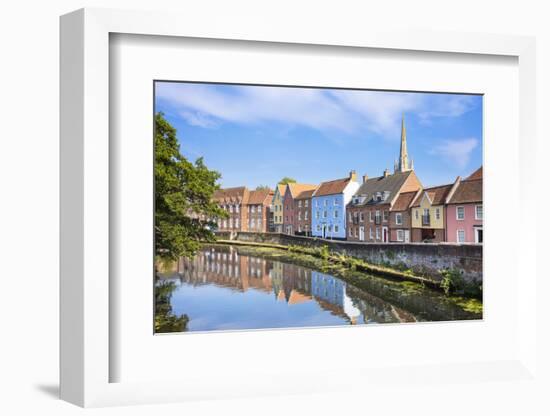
(365, 177)
(353, 175)
(386, 172)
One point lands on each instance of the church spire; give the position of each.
(403, 163)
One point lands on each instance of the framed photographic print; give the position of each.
(258, 203)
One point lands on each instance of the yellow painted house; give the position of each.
(277, 207)
(428, 214)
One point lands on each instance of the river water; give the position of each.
(228, 288)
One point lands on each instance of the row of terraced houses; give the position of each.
(393, 207)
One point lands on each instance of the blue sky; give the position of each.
(256, 135)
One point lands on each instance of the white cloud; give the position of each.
(457, 151)
(348, 111)
(445, 105)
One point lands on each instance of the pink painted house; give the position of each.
(464, 210)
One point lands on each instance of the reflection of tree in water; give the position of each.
(165, 320)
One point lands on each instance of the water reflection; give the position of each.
(220, 289)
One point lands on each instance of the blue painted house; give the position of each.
(328, 207)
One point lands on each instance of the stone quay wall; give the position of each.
(424, 258)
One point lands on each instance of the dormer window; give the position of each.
(379, 196)
(386, 195)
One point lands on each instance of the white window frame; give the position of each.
(475, 212)
(460, 230)
(336, 213)
(463, 213)
(398, 218)
(377, 233)
(402, 234)
(336, 228)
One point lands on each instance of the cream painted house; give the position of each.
(428, 214)
(277, 208)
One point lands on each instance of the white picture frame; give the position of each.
(85, 351)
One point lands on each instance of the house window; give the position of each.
(325, 202)
(306, 203)
(299, 204)
(336, 201)
(460, 236)
(386, 214)
(336, 213)
(224, 223)
(400, 235)
(479, 212)
(355, 232)
(349, 217)
(318, 227)
(253, 208)
(335, 228)
(416, 213)
(252, 223)
(305, 215)
(230, 208)
(316, 214)
(370, 233)
(350, 232)
(236, 208)
(377, 233)
(236, 223)
(370, 216)
(325, 214)
(437, 213)
(459, 213)
(299, 215)
(230, 222)
(299, 228)
(399, 218)
(361, 217)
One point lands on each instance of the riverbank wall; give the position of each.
(421, 258)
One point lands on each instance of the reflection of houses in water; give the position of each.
(226, 268)
(291, 283)
(331, 294)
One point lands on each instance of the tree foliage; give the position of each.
(286, 180)
(184, 209)
(262, 188)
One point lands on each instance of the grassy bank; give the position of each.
(451, 281)
(411, 295)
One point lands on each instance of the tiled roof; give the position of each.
(468, 191)
(305, 194)
(281, 188)
(260, 196)
(403, 201)
(297, 188)
(391, 183)
(232, 195)
(437, 194)
(336, 186)
(478, 174)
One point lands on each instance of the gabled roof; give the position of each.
(390, 183)
(232, 195)
(306, 194)
(334, 187)
(297, 188)
(436, 194)
(404, 201)
(281, 188)
(260, 196)
(478, 174)
(468, 191)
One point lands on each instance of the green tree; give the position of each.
(286, 180)
(184, 209)
(262, 188)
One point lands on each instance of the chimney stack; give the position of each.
(386, 172)
(353, 175)
(365, 178)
